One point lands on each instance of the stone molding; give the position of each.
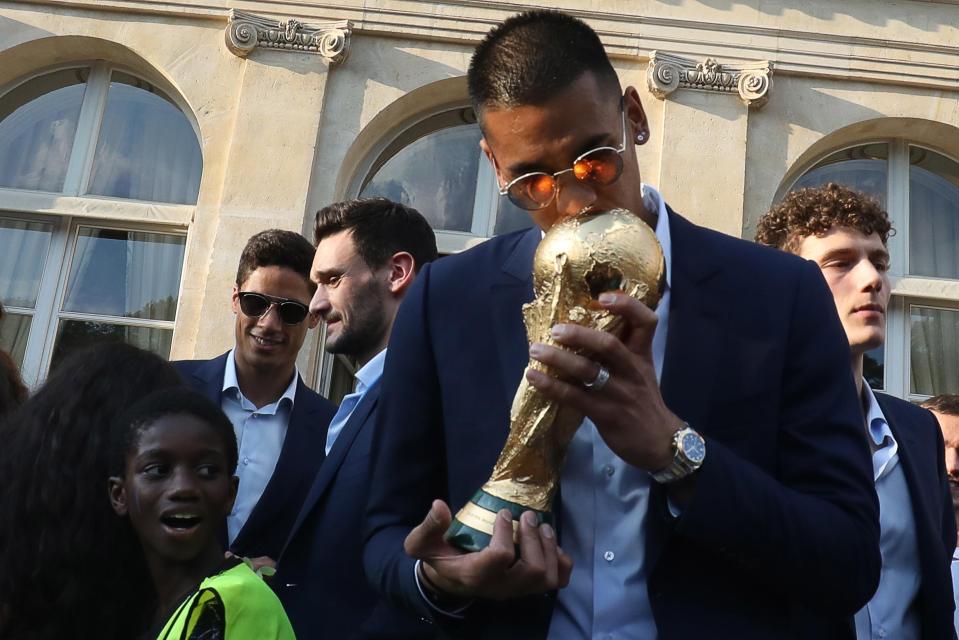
(921, 57)
(668, 72)
(247, 31)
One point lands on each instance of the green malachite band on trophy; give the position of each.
(472, 528)
(494, 504)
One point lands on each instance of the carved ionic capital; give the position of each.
(668, 72)
(248, 31)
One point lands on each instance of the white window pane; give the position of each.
(934, 343)
(147, 149)
(864, 168)
(38, 122)
(14, 330)
(436, 175)
(125, 273)
(933, 214)
(77, 334)
(873, 367)
(23, 252)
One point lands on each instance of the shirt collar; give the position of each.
(230, 383)
(370, 373)
(654, 203)
(884, 458)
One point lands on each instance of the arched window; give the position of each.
(919, 186)
(436, 167)
(91, 157)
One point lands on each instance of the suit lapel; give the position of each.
(337, 454)
(209, 377)
(508, 292)
(911, 458)
(305, 442)
(697, 319)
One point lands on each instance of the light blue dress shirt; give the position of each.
(259, 438)
(368, 375)
(603, 530)
(892, 611)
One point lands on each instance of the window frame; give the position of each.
(71, 208)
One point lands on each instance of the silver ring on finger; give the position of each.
(600, 381)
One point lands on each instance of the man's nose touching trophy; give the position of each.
(577, 260)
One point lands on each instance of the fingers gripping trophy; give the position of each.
(577, 260)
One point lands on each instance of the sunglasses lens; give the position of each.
(292, 312)
(602, 166)
(253, 305)
(533, 192)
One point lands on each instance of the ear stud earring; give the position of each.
(641, 137)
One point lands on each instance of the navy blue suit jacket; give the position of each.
(320, 577)
(781, 537)
(923, 463)
(303, 451)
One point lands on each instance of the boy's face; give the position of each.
(950, 436)
(177, 489)
(856, 269)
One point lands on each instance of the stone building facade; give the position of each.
(143, 141)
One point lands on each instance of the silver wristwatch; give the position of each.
(689, 451)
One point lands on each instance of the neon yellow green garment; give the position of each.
(236, 599)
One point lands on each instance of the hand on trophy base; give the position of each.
(472, 528)
(499, 571)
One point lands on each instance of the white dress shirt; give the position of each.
(892, 611)
(259, 437)
(603, 515)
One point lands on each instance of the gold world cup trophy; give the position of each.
(577, 260)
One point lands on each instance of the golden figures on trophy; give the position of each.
(577, 260)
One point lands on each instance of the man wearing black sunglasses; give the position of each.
(719, 486)
(280, 423)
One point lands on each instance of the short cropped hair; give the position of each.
(276, 248)
(380, 229)
(533, 56)
(126, 429)
(947, 404)
(813, 211)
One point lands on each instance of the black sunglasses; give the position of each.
(257, 305)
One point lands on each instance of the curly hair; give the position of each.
(813, 211)
(70, 567)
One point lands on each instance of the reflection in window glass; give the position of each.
(14, 330)
(23, 252)
(76, 334)
(436, 175)
(125, 273)
(146, 149)
(933, 214)
(934, 345)
(864, 168)
(38, 122)
(873, 366)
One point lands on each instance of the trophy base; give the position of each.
(472, 528)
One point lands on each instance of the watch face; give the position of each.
(694, 448)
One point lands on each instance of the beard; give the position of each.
(363, 323)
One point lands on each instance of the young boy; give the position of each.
(174, 457)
